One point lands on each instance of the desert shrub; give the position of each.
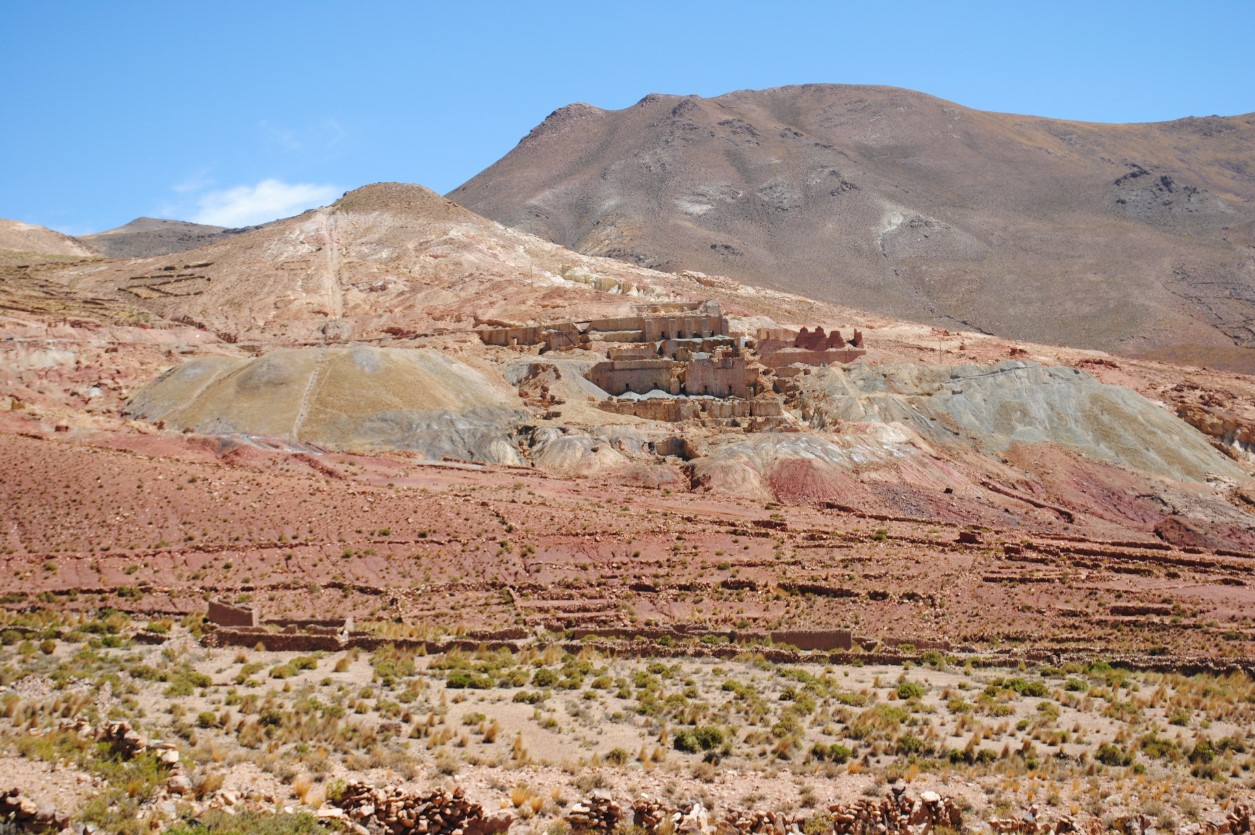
(1158, 747)
(1203, 751)
(618, 756)
(835, 752)
(1019, 686)
(390, 663)
(468, 680)
(911, 690)
(1111, 754)
(530, 697)
(701, 738)
(877, 718)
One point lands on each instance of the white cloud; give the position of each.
(268, 200)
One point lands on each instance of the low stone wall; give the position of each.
(224, 614)
(680, 409)
(790, 356)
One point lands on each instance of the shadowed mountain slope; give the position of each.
(1120, 237)
(148, 236)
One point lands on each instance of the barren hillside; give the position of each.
(25, 242)
(1128, 238)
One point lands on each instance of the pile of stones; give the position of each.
(1239, 821)
(893, 814)
(21, 814)
(394, 811)
(651, 816)
(122, 738)
(599, 814)
(759, 822)
(896, 813)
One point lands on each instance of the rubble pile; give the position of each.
(25, 815)
(758, 822)
(599, 814)
(1239, 821)
(122, 738)
(393, 811)
(650, 815)
(896, 813)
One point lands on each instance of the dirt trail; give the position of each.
(311, 386)
(334, 292)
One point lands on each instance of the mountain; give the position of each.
(385, 259)
(1128, 238)
(149, 236)
(26, 242)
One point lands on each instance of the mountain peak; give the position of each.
(905, 204)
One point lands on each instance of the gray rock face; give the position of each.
(989, 409)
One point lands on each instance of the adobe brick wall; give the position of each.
(224, 614)
(827, 640)
(789, 356)
(505, 337)
(639, 376)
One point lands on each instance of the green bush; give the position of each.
(911, 690)
(467, 680)
(530, 697)
(1111, 754)
(701, 738)
(544, 677)
(835, 752)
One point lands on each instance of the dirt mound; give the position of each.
(343, 398)
(1131, 237)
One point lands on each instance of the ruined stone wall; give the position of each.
(639, 376)
(724, 376)
(789, 356)
(621, 323)
(676, 410)
(634, 351)
(817, 340)
(565, 336)
(784, 336)
(681, 327)
(683, 349)
(224, 614)
(505, 337)
(842, 639)
(617, 336)
(710, 307)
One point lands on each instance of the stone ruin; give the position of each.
(224, 614)
(779, 347)
(679, 362)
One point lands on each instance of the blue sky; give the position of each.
(239, 112)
